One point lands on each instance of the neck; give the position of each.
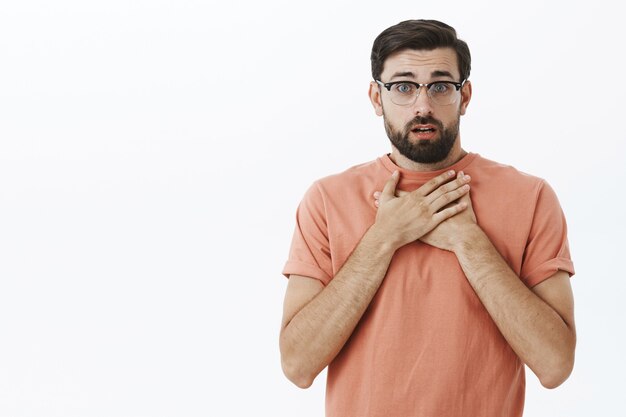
(455, 155)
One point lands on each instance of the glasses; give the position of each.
(405, 93)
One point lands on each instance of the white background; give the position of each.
(153, 153)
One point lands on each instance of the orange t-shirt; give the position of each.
(426, 346)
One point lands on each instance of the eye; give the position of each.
(404, 88)
(439, 88)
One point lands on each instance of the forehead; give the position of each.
(421, 63)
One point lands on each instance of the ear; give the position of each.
(466, 96)
(375, 98)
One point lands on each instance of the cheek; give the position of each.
(398, 117)
(452, 114)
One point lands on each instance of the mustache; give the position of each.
(423, 120)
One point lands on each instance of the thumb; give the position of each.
(389, 191)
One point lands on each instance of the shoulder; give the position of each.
(354, 178)
(504, 177)
(354, 174)
(346, 191)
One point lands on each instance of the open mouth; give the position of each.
(423, 128)
(424, 132)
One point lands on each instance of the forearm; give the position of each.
(535, 331)
(316, 334)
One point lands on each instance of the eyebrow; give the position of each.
(436, 73)
(441, 74)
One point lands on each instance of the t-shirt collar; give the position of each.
(407, 174)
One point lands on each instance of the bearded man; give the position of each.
(427, 278)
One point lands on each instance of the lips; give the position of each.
(424, 131)
(423, 128)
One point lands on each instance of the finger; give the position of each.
(436, 182)
(448, 212)
(459, 182)
(399, 193)
(449, 197)
(466, 198)
(389, 189)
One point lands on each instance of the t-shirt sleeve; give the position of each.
(547, 248)
(310, 250)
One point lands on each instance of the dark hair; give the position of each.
(419, 34)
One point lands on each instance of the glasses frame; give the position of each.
(419, 86)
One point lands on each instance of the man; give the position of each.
(427, 278)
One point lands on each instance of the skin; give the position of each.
(538, 323)
(423, 65)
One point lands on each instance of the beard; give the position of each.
(424, 151)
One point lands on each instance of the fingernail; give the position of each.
(450, 173)
(467, 178)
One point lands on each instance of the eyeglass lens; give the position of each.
(442, 94)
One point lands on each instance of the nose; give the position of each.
(422, 105)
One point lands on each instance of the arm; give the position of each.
(318, 321)
(537, 323)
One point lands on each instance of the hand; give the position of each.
(407, 216)
(454, 230)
